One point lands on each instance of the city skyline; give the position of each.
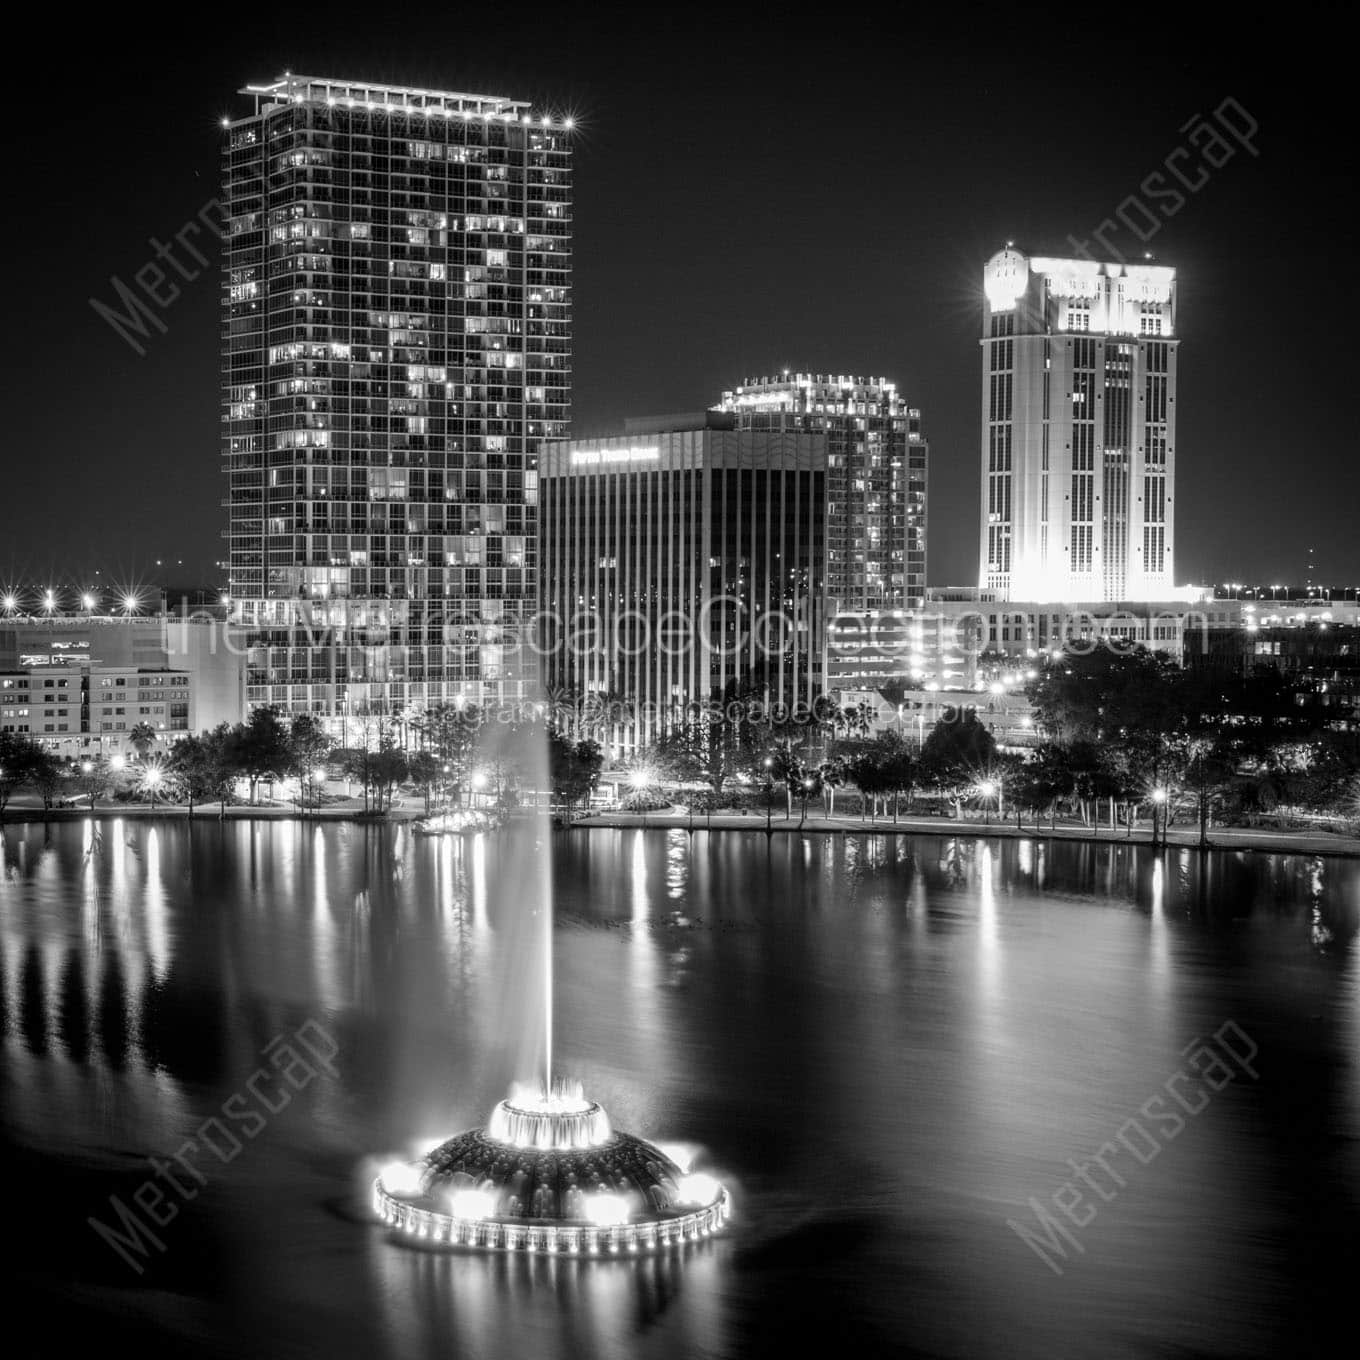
(901, 300)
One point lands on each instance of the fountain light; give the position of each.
(606, 1211)
(699, 1188)
(472, 1205)
(527, 1182)
(406, 1179)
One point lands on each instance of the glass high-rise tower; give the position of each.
(396, 299)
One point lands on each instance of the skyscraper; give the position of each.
(396, 345)
(876, 507)
(1078, 429)
(683, 564)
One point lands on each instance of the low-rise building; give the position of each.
(80, 684)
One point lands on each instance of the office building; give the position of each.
(876, 504)
(683, 563)
(1078, 455)
(396, 295)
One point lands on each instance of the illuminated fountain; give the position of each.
(549, 1173)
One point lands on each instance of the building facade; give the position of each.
(1078, 455)
(683, 566)
(80, 684)
(396, 295)
(877, 459)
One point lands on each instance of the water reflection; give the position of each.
(887, 1042)
(443, 1303)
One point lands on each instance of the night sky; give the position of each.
(753, 192)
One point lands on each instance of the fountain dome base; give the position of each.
(549, 1174)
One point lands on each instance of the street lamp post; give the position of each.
(153, 779)
(769, 795)
(989, 789)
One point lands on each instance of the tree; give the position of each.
(956, 755)
(143, 738)
(898, 767)
(308, 747)
(809, 786)
(573, 767)
(18, 759)
(1053, 777)
(200, 767)
(864, 767)
(223, 758)
(449, 733)
(1206, 771)
(425, 771)
(263, 749)
(707, 750)
(94, 776)
(833, 773)
(785, 765)
(46, 774)
(1105, 694)
(379, 772)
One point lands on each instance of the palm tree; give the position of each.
(143, 738)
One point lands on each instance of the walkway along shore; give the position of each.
(1220, 837)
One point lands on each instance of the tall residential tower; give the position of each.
(396, 346)
(875, 508)
(1078, 429)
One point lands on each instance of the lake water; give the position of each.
(888, 1046)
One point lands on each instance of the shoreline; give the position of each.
(1258, 840)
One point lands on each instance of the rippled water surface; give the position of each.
(889, 1046)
